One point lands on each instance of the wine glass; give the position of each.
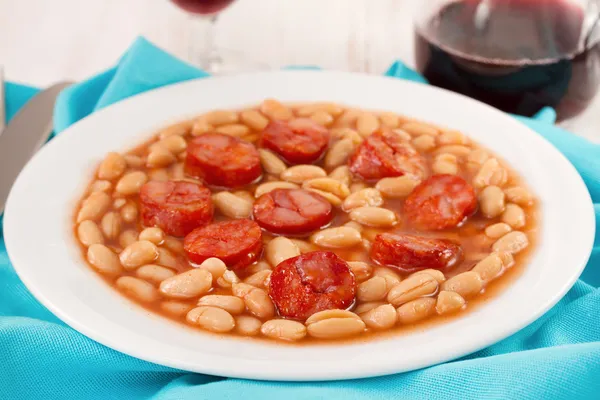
(204, 53)
(516, 55)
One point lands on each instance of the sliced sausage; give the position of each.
(301, 141)
(411, 253)
(237, 243)
(386, 154)
(311, 282)
(292, 211)
(175, 207)
(223, 161)
(440, 202)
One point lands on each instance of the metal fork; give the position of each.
(2, 101)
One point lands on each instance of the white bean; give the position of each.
(445, 164)
(215, 266)
(232, 304)
(100, 186)
(514, 216)
(111, 225)
(201, 126)
(247, 326)
(397, 187)
(331, 198)
(175, 308)
(138, 253)
(512, 242)
(275, 110)
(127, 237)
(332, 186)
(131, 183)
(489, 268)
(192, 283)
(270, 162)
(367, 123)
(103, 259)
(338, 237)
(129, 212)
(254, 120)
(416, 310)
(338, 153)
(160, 157)
(424, 143)
(301, 173)
(381, 317)
(420, 128)
(372, 289)
(374, 216)
(362, 198)
(389, 119)
(342, 174)
(332, 324)
(498, 230)
(452, 137)
(411, 288)
(174, 143)
(361, 270)
(322, 118)
(231, 205)
(259, 303)
(237, 130)
(112, 167)
(449, 302)
(94, 206)
(221, 117)
(89, 233)
(228, 279)
(154, 273)
(211, 318)
(487, 170)
(280, 249)
(519, 195)
(467, 284)
(491, 201)
(137, 288)
(283, 329)
(154, 235)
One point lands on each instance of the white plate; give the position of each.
(43, 250)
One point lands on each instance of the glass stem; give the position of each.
(203, 49)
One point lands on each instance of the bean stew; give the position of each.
(305, 221)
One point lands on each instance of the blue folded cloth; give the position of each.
(556, 357)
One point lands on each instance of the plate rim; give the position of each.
(277, 375)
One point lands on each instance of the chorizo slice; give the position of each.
(292, 211)
(237, 243)
(440, 202)
(176, 207)
(301, 141)
(386, 154)
(312, 282)
(410, 253)
(222, 161)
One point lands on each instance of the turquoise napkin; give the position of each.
(556, 357)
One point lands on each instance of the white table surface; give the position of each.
(42, 41)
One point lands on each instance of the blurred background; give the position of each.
(42, 41)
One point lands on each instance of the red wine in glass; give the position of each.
(518, 55)
(203, 7)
